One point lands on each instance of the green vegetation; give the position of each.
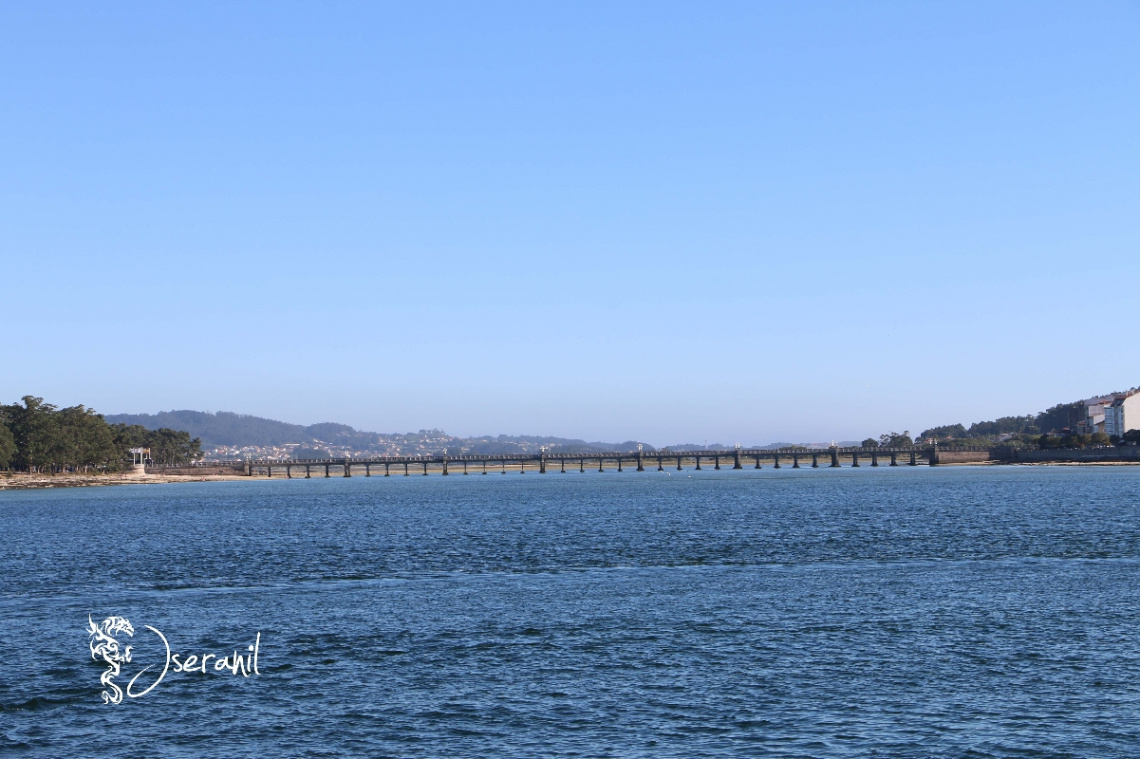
(946, 432)
(7, 446)
(889, 440)
(166, 446)
(40, 437)
(1053, 428)
(896, 440)
(1074, 441)
(1018, 430)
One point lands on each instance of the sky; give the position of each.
(667, 221)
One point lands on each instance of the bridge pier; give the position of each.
(288, 472)
(660, 464)
(854, 459)
(522, 467)
(465, 467)
(619, 463)
(563, 465)
(758, 462)
(445, 467)
(736, 460)
(327, 471)
(815, 461)
(678, 463)
(913, 460)
(347, 469)
(874, 458)
(367, 470)
(834, 457)
(308, 475)
(542, 465)
(795, 461)
(268, 471)
(894, 459)
(425, 469)
(386, 472)
(716, 459)
(405, 469)
(640, 463)
(581, 466)
(698, 458)
(776, 457)
(600, 468)
(504, 463)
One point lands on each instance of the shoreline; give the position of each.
(23, 481)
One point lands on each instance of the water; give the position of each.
(951, 612)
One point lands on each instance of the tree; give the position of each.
(870, 443)
(945, 432)
(128, 436)
(1006, 425)
(1060, 417)
(83, 440)
(896, 440)
(33, 427)
(7, 445)
(169, 446)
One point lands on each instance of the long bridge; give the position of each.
(794, 458)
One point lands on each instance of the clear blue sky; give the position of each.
(750, 222)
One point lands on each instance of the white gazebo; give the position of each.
(139, 459)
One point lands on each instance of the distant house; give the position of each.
(1123, 415)
(1095, 411)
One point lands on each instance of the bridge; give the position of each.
(545, 461)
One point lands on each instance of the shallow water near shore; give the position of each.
(959, 612)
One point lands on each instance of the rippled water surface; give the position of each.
(910, 612)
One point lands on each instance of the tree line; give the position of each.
(1051, 428)
(890, 440)
(41, 437)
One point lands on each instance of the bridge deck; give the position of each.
(736, 457)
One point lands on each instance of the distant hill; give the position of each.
(236, 431)
(227, 428)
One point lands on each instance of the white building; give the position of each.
(1123, 415)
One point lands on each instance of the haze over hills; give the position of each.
(226, 432)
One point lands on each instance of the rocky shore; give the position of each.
(25, 481)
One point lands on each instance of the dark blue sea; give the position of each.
(909, 612)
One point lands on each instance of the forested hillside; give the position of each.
(225, 428)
